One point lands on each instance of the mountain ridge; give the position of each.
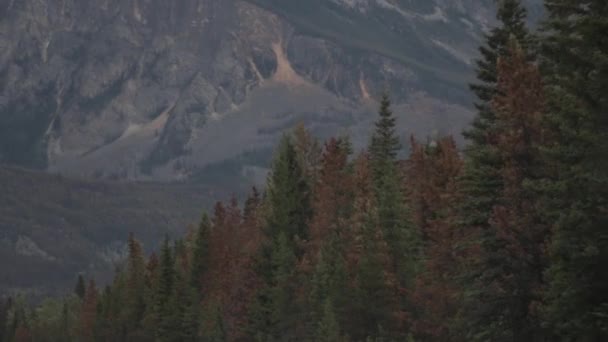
(81, 81)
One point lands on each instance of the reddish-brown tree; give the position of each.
(22, 334)
(88, 313)
(333, 197)
(432, 172)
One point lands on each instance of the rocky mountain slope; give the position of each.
(165, 90)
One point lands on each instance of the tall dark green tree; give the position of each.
(165, 308)
(80, 287)
(136, 273)
(200, 253)
(384, 145)
(481, 181)
(393, 216)
(482, 184)
(274, 313)
(575, 52)
(288, 195)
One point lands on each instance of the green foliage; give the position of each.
(576, 191)
(402, 237)
(166, 304)
(288, 195)
(200, 253)
(486, 312)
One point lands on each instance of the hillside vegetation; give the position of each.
(52, 228)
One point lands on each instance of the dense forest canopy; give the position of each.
(504, 241)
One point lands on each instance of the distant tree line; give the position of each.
(506, 241)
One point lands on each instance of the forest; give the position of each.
(505, 239)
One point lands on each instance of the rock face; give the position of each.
(157, 89)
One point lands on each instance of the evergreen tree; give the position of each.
(575, 193)
(200, 253)
(80, 287)
(216, 330)
(309, 153)
(164, 305)
(505, 292)
(482, 183)
(136, 272)
(329, 287)
(481, 180)
(288, 196)
(274, 312)
(65, 322)
(328, 329)
(189, 322)
(392, 212)
(385, 144)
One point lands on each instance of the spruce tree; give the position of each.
(482, 182)
(200, 253)
(136, 269)
(274, 312)
(80, 287)
(512, 258)
(164, 305)
(328, 329)
(575, 193)
(384, 145)
(288, 195)
(393, 216)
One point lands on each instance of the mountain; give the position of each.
(165, 90)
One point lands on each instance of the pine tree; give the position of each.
(274, 312)
(190, 319)
(136, 269)
(482, 183)
(308, 151)
(481, 180)
(149, 321)
(385, 144)
(328, 329)
(392, 212)
(200, 253)
(164, 305)
(512, 261)
(65, 322)
(80, 287)
(288, 195)
(575, 193)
